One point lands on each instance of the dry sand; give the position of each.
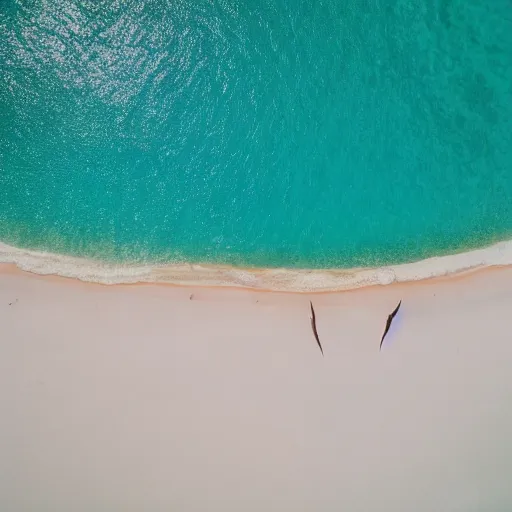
(136, 398)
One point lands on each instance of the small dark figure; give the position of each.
(388, 323)
(313, 326)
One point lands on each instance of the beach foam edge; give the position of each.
(271, 279)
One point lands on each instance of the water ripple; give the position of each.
(269, 133)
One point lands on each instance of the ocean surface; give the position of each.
(269, 133)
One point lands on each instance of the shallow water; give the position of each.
(272, 133)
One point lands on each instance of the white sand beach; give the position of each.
(137, 397)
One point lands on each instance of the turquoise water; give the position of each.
(285, 132)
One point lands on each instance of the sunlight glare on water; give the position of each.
(261, 133)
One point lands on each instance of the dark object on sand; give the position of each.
(388, 323)
(313, 326)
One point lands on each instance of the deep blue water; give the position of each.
(286, 132)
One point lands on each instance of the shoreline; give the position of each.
(123, 395)
(261, 279)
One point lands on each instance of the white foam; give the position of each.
(291, 280)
